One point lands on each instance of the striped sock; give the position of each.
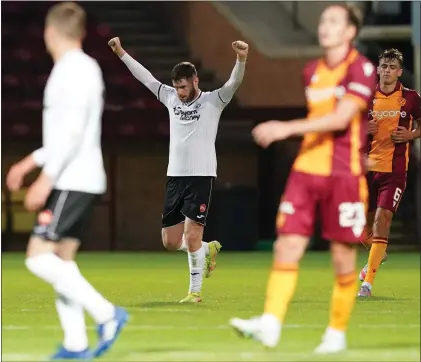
(377, 252)
(280, 289)
(343, 301)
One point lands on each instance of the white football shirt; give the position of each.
(71, 154)
(193, 125)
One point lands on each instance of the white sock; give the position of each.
(72, 320)
(206, 247)
(196, 265)
(183, 246)
(71, 284)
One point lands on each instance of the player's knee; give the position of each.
(193, 235)
(68, 248)
(170, 241)
(37, 246)
(290, 248)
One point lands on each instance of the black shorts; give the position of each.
(64, 215)
(187, 196)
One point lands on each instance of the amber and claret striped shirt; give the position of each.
(401, 107)
(343, 152)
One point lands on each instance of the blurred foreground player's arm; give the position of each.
(20, 169)
(140, 72)
(359, 89)
(227, 91)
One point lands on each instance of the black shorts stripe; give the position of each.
(58, 211)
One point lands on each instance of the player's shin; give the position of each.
(375, 258)
(72, 320)
(343, 300)
(284, 275)
(196, 266)
(71, 284)
(345, 287)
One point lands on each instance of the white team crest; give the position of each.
(314, 78)
(368, 69)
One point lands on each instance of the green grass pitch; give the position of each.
(149, 285)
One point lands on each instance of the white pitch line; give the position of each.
(309, 354)
(218, 327)
(233, 356)
(180, 310)
(379, 353)
(135, 309)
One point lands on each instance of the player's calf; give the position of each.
(196, 255)
(343, 298)
(381, 228)
(172, 236)
(289, 250)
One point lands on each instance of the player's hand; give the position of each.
(116, 47)
(242, 49)
(368, 163)
(15, 177)
(401, 135)
(268, 132)
(372, 127)
(38, 193)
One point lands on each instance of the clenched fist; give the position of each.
(242, 49)
(116, 47)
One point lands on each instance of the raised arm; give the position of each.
(227, 91)
(138, 70)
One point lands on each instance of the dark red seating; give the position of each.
(26, 65)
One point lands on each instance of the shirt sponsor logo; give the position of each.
(387, 114)
(192, 115)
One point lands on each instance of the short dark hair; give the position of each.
(392, 54)
(183, 70)
(69, 18)
(354, 15)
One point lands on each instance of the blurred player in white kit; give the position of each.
(72, 177)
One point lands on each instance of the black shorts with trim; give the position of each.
(187, 196)
(64, 215)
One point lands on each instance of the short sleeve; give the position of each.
(416, 106)
(216, 100)
(309, 72)
(165, 94)
(361, 82)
